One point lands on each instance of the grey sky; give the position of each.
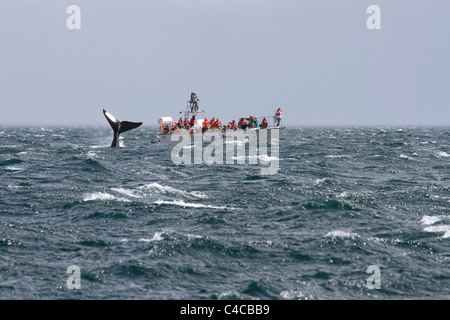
(315, 59)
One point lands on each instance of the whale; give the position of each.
(119, 126)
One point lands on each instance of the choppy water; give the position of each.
(140, 227)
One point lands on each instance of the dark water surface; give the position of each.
(140, 227)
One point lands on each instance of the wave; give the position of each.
(431, 221)
(157, 237)
(402, 156)
(103, 197)
(12, 168)
(443, 154)
(264, 158)
(336, 156)
(126, 192)
(169, 190)
(188, 204)
(10, 161)
(341, 234)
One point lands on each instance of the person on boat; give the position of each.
(264, 124)
(278, 116)
(250, 122)
(167, 130)
(181, 123)
(192, 122)
(174, 126)
(255, 122)
(218, 123)
(213, 123)
(205, 124)
(194, 101)
(242, 124)
(234, 125)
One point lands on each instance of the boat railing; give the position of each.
(272, 121)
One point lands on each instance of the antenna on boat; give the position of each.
(178, 100)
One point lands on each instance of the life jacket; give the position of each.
(218, 123)
(174, 125)
(192, 122)
(278, 113)
(180, 123)
(206, 124)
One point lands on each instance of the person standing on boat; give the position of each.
(278, 116)
(194, 101)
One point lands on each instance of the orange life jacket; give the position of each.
(206, 124)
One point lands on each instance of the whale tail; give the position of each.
(119, 126)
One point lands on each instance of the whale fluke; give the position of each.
(119, 126)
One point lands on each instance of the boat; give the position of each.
(196, 131)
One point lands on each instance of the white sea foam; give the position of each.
(126, 192)
(336, 156)
(12, 168)
(169, 190)
(319, 181)
(294, 295)
(443, 154)
(342, 195)
(156, 237)
(103, 196)
(188, 204)
(405, 157)
(341, 234)
(264, 158)
(438, 229)
(91, 154)
(430, 221)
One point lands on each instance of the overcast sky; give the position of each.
(316, 59)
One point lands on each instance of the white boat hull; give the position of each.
(252, 135)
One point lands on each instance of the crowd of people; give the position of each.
(215, 124)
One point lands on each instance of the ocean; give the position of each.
(351, 213)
